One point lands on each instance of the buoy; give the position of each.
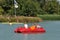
(10, 23)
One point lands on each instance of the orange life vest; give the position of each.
(32, 27)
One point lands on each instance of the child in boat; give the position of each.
(33, 27)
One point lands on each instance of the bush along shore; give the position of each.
(50, 17)
(20, 19)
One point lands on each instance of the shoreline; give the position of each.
(19, 19)
(11, 23)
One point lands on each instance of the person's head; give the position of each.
(35, 23)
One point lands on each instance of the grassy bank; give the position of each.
(19, 19)
(50, 17)
(22, 19)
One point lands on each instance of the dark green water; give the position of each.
(52, 32)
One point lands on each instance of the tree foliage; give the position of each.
(29, 7)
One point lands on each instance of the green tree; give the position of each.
(30, 7)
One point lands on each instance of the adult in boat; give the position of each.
(38, 26)
(26, 25)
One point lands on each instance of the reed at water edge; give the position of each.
(20, 19)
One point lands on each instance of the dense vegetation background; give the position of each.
(30, 7)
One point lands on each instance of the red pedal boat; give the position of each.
(29, 30)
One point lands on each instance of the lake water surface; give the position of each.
(52, 32)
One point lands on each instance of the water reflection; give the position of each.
(33, 36)
(25, 36)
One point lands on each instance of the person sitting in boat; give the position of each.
(38, 26)
(26, 25)
(32, 27)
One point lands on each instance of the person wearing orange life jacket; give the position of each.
(33, 27)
